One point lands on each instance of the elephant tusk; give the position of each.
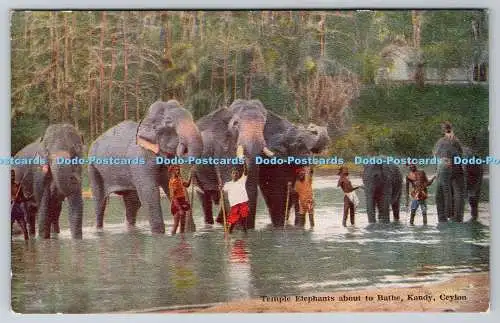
(181, 148)
(239, 152)
(267, 152)
(148, 145)
(60, 153)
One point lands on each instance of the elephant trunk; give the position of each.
(190, 142)
(75, 208)
(251, 138)
(67, 179)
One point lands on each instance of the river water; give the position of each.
(124, 271)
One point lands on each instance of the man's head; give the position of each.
(447, 130)
(446, 127)
(413, 168)
(343, 171)
(236, 173)
(174, 170)
(301, 173)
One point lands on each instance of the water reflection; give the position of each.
(239, 270)
(119, 270)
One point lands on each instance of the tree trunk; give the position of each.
(52, 81)
(167, 54)
(111, 116)
(91, 113)
(125, 66)
(56, 68)
(322, 30)
(75, 111)
(139, 74)
(225, 70)
(201, 25)
(420, 72)
(67, 70)
(235, 70)
(101, 72)
(212, 74)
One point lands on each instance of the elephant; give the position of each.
(241, 125)
(286, 139)
(473, 181)
(450, 191)
(456, 180)
(46, 186)
(383, 185)
(167, 131)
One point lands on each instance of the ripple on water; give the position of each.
(333, 283)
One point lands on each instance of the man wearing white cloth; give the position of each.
(350, 197)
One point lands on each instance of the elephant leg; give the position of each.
(474, 203)
(448, 200)
(75, 211)
(384, 206)
(54, 213)
(395, 211)
(370, 205)
(31, 220)
(100, 200)
(132, 205)
(440, 205)
(458, 199)
(206, 204)
(149, 195)
(43, 216)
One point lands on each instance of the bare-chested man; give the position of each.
(350, 198)
(419, 183)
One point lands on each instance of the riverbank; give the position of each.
(465, 293)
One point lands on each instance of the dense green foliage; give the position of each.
(94, 69)
(406, 122)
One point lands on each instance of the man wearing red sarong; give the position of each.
(238, 199)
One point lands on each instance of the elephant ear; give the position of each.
(215, 120)
(321, 138)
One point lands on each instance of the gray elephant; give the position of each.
(286, 139)
(223, 131)
(383, 185)
(46, 186)
(473, 180)
(167, 130)
(450, 191)
(456, 180)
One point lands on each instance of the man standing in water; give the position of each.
(179, 202)
(18, 212)
(303, 188)
(238, 198)
(350, 197)
(418, 180)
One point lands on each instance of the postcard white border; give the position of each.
(494, 8)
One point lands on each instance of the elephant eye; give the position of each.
(314, 132)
